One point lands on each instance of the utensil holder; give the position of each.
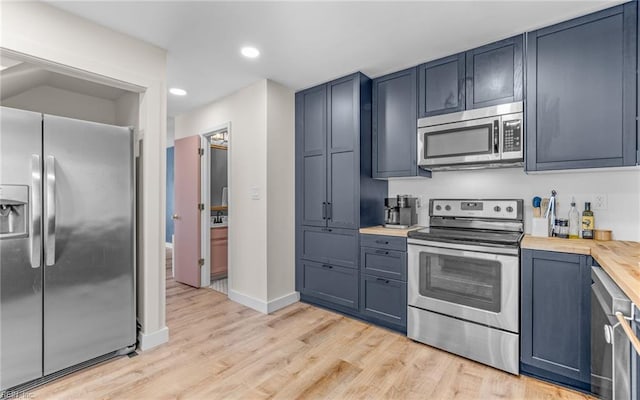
(540, 227)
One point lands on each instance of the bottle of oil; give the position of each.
(574, 221)
(588, 222)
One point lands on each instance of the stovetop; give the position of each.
(450, 235)
(492, 222)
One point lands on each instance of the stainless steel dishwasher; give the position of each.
(610, 347)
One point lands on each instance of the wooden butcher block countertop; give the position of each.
(381, 230)
(620, 259)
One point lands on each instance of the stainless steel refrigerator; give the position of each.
(67, 283)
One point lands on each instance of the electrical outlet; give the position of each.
(599, 202)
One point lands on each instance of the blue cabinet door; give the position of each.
(555, 317)
(495, 73)
(581, 92)
(328, 245)
(441, 86)
(395, 105)
(330, 283)
(342, 156)
(311, 145)
(384, 299)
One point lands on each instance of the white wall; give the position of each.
(54, 101)
(280, 191)
(622, 188)
(127, 110)
(171, 131)
(45, 35)
(261, 155)
(247, 112)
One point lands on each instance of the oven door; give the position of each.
(477, 286)
(474, 141)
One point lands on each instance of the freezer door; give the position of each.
(89, 305)
(20, 250)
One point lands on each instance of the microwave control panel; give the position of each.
(512, 139)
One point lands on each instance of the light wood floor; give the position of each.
(220, 349)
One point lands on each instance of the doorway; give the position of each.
(215, 197)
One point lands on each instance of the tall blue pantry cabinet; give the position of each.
(335, 192)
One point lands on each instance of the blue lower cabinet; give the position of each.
(330, 283)
(383, 242)
(330, 246)
(384, 300)
(555, 317)
(384, 263)
(374, 289)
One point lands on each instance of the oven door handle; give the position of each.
(454, 249)
(478, 255)
(635, 342)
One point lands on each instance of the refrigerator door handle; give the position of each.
(36, 211)
(50, 218)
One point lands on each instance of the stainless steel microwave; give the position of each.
(480, 138)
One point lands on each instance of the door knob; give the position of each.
(175, 216)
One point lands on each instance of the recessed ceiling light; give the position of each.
(177, 91)
(250, 52)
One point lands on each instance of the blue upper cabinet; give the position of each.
(581, 92)
(334, 188)
(311, 121)
(395, 104)
(441, 88)
(495, 73)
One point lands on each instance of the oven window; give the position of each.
(459, 142)
(461, 280)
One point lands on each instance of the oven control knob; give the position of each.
(510, 209)
(497, 209)
(447, 207)
(438, 207)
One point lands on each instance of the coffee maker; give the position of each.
(400, 212)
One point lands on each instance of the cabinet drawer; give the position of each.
(332, 246)
(386, 263)
(384, 299)
(219, 233)
(331, 283)
(384, 242)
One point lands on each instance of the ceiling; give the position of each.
(306, 43)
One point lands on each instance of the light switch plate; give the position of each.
(254, 193)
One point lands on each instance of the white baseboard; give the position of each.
(263, 306)
(248, 301)
(153, 339)
(281, 302)
(168, 245)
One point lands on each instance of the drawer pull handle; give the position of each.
(327, 266)
(382, 280)
(327, 229)
(386, 253)
(382, 242)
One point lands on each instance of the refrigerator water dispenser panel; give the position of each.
(14, 211)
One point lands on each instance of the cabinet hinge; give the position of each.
(201, 262)
(201, 151)
(201, 206)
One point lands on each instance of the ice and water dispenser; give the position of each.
(14, 211)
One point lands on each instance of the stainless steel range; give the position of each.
(464, 280)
